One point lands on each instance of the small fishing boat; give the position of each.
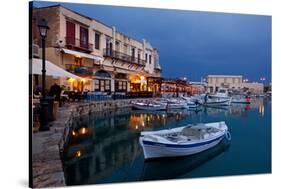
(182, 141)
(152, 106)
(156, 170)
(175, 104)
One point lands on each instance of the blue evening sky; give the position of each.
(193, 44)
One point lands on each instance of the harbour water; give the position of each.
(104, 147)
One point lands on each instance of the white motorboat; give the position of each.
(213, 101)
(152, 106)
(222, 93)
(192, 103)
(238, 99)
(182, 141)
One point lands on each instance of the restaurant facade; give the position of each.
(105, 59)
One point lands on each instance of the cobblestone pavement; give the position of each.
(46, 163)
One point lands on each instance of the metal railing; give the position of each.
(107, 52)
(78, 43)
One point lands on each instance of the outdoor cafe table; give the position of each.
(93, 96)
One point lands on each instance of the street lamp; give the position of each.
(43, 30)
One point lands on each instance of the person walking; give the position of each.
(55, 91)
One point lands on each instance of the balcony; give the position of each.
(79, 70)
(78, 44)
(122, 57)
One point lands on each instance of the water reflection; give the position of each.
(102, 144)
(170, 168)
(261, 110)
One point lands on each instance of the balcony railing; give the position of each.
(71, 42)
(80, 70)
(122, 56)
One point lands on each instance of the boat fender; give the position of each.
(228, 135)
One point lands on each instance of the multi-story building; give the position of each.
(107, 59)
(253, 87)
(233, 82)
(197, 87)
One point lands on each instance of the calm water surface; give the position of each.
(104, 147)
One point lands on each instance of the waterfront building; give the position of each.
(106, 59)
(232, 82)
(197, 87)
(175, 87)
(253, 87)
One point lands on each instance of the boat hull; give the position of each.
(177, 106)
(149, 108)
(218, 103)
(157, 150)
(240, 102)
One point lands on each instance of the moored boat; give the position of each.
(182, 141)
(217, 102)
(152, 106)
(222, 93)
(173, 105)
(240, 100)
(192, 103)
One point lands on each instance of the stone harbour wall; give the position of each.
(47, 168)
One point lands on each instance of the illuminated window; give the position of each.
(107, 85)
(97, 85)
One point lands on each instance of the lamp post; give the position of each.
(43, 30)
(262, 79)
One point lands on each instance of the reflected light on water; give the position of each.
(137, 120)
(78, 154)
(261, 110)
(83, 130)
(110, 151)
(73, 133)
